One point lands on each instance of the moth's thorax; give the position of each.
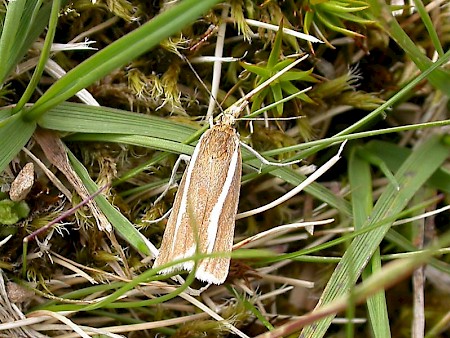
(221, 140)
(224, 128)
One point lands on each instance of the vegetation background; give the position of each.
(102, 93)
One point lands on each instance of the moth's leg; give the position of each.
(263, 160)
(182, 157)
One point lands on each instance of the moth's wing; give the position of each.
(182, 230)
(215, 270)
(176, 239)
(205, 206)
(216, 199)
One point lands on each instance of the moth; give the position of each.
(205, 206)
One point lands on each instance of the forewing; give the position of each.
(215, 269)
(174, 243)
(205, 206)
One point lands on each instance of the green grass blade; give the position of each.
(429, 26)
(360, 181)
(439, 77)
(251, 308)
(157, 133)
(394, 155)
(119, 53)
(137, 140)
(80, 118)
(10, 27)
(14, 134)
(414, 172)
(45, 53)
(361, 186)
(405, 244)
(118, 221)
(376, 304)
(27, 20)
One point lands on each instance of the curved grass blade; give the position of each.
(81, 118)
(14, 134)
(118, 221)
(157, 133)
(24, 21)
(361, 186)
(414, 172)
(119, 53)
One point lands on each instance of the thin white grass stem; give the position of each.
(217, 67)
(73, 268)
(64, 320)
(275, 293)
(260, 305)
(57, 72)
(147, 326)
(5, 240)
(95, 29)
(424, 215)
(204, 59)
(263, 160)
(288, 31)
(272, 105)
(270, 118)
(51, 176)
(335, 321)
(346, 320)
(278, 231)
(22, 323)
(274, 267)
(153, 221)
(335, 231)
(319, 172)
(209, 302)
(244, 287)
(287, 280)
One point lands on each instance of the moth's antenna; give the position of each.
(200, 80)
(217, 67)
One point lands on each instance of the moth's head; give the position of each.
(227, 118)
